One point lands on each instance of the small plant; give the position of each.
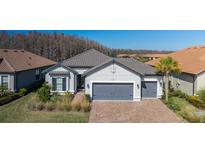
(87, 98)
(44, 93)
(61, 106)
(55, 98)
(51, 106)
(191, 117)
(40, 106)
(196, 101)
(174, 106)
(33, 106)
(85, 106)
(68, 107)
(201, 94)
(76, 106)
(22, 92)
(179, 93)
(68, 96)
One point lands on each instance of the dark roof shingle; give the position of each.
(89, 58)
(130, 63)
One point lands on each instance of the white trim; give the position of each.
(91, 86)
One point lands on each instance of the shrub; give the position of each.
(51, 106)
(85, 106)
(87, 97)
(44, 93)
(174, 106)
(55, 98)
(201, 94)
(22, 92)
(191, 117)
(61, 106)
(8, 98)
(40, 106)
(68, 107)
(76, 106)
(196, 101)
(179, 94)
(33, 106)
(68, 96)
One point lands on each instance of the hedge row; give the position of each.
(9, 98)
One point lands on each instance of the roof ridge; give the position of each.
(84, 52)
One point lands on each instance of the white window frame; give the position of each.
(2, 77)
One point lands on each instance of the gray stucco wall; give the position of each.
(185, 82)
(117, 74)
(200, 81)
(114, 73)
(71, 80)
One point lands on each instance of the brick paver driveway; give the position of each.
(144, 111)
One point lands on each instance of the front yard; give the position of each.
(18, 112)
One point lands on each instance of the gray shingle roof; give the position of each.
(89, 58)
(136, 66)
(129, 63)
(59, 65)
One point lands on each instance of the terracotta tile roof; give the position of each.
(191, 60)
(12, 60)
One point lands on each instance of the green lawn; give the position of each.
(17, 111)
(187, 110)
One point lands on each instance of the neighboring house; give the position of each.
(153, 56)
(21, 69)
(105, 78)
(192, 64)
(148, 56)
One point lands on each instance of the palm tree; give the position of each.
(166, 66)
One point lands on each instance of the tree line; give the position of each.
(56, 46)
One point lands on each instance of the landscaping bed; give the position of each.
(190, 108)
(18, 111)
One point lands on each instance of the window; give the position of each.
(59, 84)
(4, 82)
(37, 74)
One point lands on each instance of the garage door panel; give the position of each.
(112, 91)
(149, 89)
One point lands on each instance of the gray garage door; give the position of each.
(149, 89)
(112, 91)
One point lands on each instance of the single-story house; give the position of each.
(192, 65)
(104, 77)
(21, 69)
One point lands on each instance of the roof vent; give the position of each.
(22, 50)
(29, 58)
(15, 50)
(5, 50)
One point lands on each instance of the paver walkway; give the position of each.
(146, 111)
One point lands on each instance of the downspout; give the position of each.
(194, 78)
